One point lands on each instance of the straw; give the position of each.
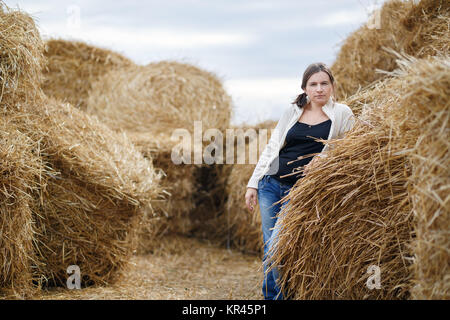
(73, 66)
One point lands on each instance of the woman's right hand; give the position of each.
(250, 198)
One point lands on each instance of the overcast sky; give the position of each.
(258, 48)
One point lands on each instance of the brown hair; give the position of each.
(313, 68)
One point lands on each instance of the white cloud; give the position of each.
(154, 37)
(260, 99)
(326, 20)
(343, 17)
(29, 7)
(273, 87)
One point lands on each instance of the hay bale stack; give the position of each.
(72, 190)
(219, 212)
(72, 66)
(356, 207)
(100, 188)
(149, 103)
(418, 29)
(20, 167)
(21, 58)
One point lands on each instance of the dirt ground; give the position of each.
(181, 268)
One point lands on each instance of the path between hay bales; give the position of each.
(182, 268)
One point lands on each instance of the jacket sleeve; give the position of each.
(348, 121)
(272, 147)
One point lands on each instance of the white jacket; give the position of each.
(342, 120)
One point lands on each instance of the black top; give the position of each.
(299, 143)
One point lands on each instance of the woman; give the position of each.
(312, 114)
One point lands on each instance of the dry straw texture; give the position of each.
(428, 29)
(93, 202)
(209, 200)
(160, 97)
(418, 29)
(379, 198)
(180, 268)
(175, 203)
(20, 165)
(349, 213)
(20, 168)
(72, 66)
(149, 103)
(426, 103)
(21, 58)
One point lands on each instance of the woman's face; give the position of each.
(319, 88)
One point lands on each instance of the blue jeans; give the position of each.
(270, 191)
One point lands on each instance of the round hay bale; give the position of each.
(160, 97)
(358, 207)
(348, 214)
(98, 188)
(72, 66)
(418, 29)
(21, 58)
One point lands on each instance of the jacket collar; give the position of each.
(328, 108)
